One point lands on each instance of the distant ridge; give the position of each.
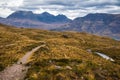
(98, 23)
(28, 19)
(43, 17)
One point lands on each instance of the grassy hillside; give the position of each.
(65, 56)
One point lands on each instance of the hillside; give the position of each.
(97, 23)
(66, 56)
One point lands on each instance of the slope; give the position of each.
(65, 56)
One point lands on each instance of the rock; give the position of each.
(68, 67)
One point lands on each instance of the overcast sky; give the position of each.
(70, 8)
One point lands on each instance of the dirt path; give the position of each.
(26, 57)
(18, 71)
(15, 72)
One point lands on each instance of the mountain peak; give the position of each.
(98, 14)
(45, 13)
(98, 17)
(61, 15)
(22, 15)
(43, 17)
(50, 18)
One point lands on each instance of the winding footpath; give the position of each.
(27, 56)
(18, 71)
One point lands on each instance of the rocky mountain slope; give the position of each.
(43, 17)
(66, 56)
(99, 23)
(30, 20)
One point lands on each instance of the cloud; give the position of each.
(10, 3)
(71, 8)
(5, 12)
(9, 6)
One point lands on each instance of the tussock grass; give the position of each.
(64, 57)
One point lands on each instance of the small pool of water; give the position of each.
(104, 56)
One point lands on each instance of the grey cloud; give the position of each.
(62, 2)
(73, 6)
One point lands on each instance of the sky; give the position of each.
(70, 8)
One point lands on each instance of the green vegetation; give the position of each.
(65, 56)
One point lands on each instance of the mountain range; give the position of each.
(98, 23)
(43, 17)
(28, 19)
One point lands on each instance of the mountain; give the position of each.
(22, 15)
(65, 56)
(43, 17)
(1, 18)
(28, 19)
(49, 18)
(98, 23)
